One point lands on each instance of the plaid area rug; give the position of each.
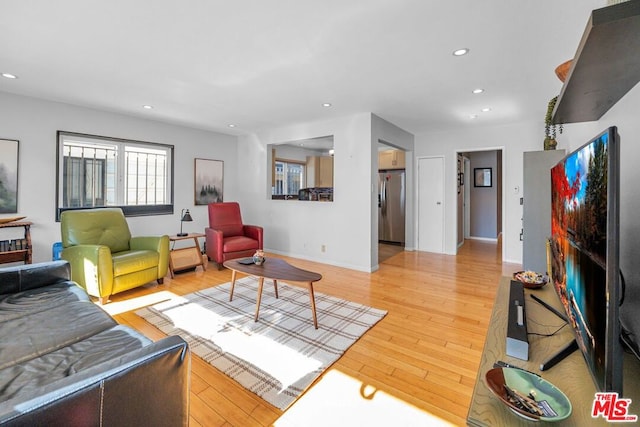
(278, 356)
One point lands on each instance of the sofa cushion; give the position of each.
(46, 331)
(28, 377)
(40, 299)
(28, 276)
(239, 243)
(132, 261)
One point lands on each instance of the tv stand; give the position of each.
(564, 351)
(559, 356)
(571, 376)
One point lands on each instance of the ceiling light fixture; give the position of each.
(148, 107)
(326, 104)
(486, 110)
(460, 52)
(231, 125)
(479, 90)
(9, 76)
(473, 116)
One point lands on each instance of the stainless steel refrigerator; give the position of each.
(391, 203)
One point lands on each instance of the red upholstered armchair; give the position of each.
(227, 237)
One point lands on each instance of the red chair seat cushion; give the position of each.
(238, 243)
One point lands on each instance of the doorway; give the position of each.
(480, 200)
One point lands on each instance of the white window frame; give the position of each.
(285, 174)
(157, 161)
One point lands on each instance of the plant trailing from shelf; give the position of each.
(550, 128)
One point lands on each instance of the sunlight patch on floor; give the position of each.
(284, 363)
(340, 400)
(119, 307)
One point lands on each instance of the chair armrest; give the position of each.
(30, 276)
(254, 232)
(214, 240)
(150, 243)
(91, 268)
(159, 244)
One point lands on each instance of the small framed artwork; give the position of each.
(8, 176)
(482, 177)
(208, 178)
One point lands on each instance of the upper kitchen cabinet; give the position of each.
(391, 159)
(320, 171)
(606, 65)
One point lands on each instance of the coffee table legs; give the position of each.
(260, 284)
(233, 283)
(275, 287)
(313, 305)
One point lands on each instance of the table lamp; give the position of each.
(184, 216)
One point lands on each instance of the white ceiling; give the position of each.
(265, 63)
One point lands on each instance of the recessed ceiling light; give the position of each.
(460, 52)
(231, 125)
(326, 104)
(148, 107)
(473, 116)
(486, 109)
(478, 90)
(9, 76)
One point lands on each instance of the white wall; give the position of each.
(513, 140)
(301, 228)
(345, 227)
(624, 115)
(34, 123)
(517, 138)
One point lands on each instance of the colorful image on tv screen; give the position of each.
(579, 246)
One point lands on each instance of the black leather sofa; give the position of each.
(65, 361)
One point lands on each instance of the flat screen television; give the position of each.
(584, 253)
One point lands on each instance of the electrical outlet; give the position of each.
(323, 248)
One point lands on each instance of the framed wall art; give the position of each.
(8, 176)
(208, 177)
(482, 177)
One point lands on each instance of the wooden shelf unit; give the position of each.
(605, 66)
(19, 255)
(185, 258)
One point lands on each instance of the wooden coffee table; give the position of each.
(274, 269)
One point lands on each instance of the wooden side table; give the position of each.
(20, 249)
(183, 258)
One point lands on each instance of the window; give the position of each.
(96, 171)
(289, 178)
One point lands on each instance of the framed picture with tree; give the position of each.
(208, 178)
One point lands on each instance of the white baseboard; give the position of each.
(323, 261)
(484, 239)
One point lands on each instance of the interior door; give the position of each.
(431, 204)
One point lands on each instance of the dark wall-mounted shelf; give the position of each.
(606, 65)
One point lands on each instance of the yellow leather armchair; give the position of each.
(104, 258)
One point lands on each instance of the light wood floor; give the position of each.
(422, 357)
